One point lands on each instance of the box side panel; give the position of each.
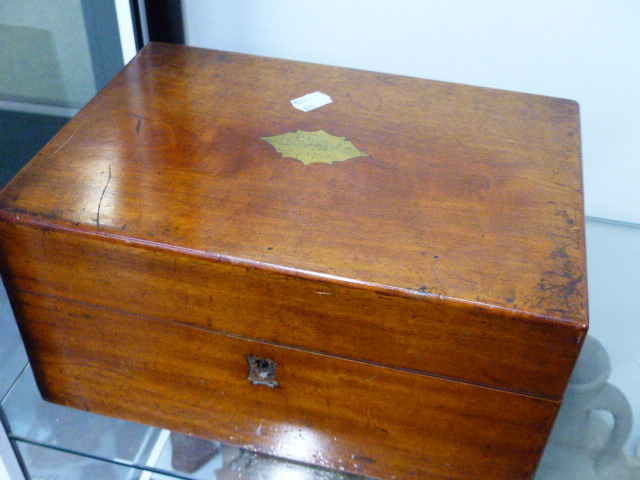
(429, 335)
(334, 412)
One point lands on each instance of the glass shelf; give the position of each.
(46, 463)
(62, 443)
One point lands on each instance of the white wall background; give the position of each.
(613, 262)
(585, 50)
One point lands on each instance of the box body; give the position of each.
(411, 257)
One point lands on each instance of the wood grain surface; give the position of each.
(468, 193)
(426, 303)
(333, 412)
(439, 337)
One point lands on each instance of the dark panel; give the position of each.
(21, 136)
(164, 19)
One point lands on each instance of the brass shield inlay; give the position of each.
(314, 147)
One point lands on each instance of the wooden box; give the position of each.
(392, 284)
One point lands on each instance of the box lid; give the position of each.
(417, 188)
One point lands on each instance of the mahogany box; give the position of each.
(385, 277)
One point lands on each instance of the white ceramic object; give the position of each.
(582, 445)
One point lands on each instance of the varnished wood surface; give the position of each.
(157, 238)
(468, 193)
(438, 337)
(333, 412)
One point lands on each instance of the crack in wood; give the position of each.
(101, 198)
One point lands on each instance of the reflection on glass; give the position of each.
(204, 460)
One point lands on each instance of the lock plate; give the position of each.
(262, 371)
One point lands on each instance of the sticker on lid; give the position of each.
(311, 101)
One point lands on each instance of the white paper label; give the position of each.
(311, 101)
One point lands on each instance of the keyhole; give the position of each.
(262, 371)
(263, 368)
